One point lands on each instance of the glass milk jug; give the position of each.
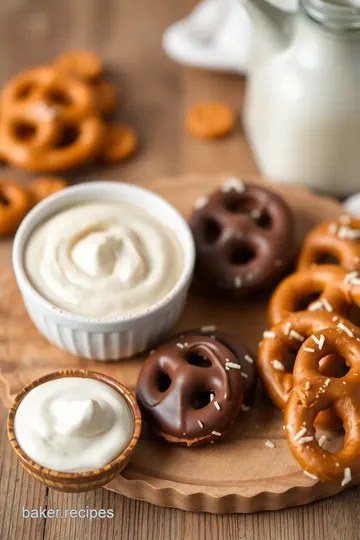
(302, 105)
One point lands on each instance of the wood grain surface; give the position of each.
(154, 95)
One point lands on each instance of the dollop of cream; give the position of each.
(73, 424)
(103, 259)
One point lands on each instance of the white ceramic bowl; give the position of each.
(112, 338)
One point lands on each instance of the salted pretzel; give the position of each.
(337, 291)
(49, 121)
(315, 393)
(278, 375)
(339, 239)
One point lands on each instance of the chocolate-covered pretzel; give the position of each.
(190, 389)
(244, 238)
(242, 354)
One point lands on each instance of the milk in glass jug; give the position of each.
(302, 105)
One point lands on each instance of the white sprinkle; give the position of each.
(347, 476)
(245, 408)
(200, 423)
(327, 382)
(299, 434)
(244, 375)
(217, 405)
(350, 276)
(310, 475)
(296, 335)
(337, 464)
(233, 184)
(237, 282)
(200, 202)
(348, 233)
(269, 334)
(335, 318)
(342, 326)
(307, 385)
(322, 440)
(316, 306)
(304, 440)
(208, 328)
(233, 365)
(289, 427)
(216, 433)
(256, 213)
(308, 349)
(344, 382)
(248, 359)
(269, 444)
(180, 345)
(327, 305)
(355, 281)
(287, 328)
(321, 342)
(212, 396)
(278, 365)
(186, 344)
(332, 228)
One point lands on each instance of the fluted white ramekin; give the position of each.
(106, 338)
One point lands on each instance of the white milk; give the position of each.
(302, 111)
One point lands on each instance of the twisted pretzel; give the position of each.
(278, 376)
(339, 239)
(330, 282)
(48, 121)
(190, 389)
(316, 393)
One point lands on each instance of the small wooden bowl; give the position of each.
(82, 481)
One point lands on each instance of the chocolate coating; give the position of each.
(242, 354)
(244, 239)
(176, 385)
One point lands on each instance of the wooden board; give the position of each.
(239, 473)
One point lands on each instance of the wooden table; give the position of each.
(154, 96)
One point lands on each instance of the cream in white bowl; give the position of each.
(104, 337)
(103, 259)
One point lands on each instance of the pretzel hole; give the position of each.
(202, 399)
(211, 230)
(241, 254)
(68, 137)
(4, 201)
(326, 258)
(24, 131)
(197, 359)
(58, 96)
(163, 381)
(304, 301)
(333, 366)
(25, 91)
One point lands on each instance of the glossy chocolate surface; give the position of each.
(190, 387)
(244, 240)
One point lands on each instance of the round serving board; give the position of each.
(236, 474)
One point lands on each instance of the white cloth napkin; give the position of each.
(216, 35)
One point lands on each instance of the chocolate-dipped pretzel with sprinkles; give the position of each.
(190, 390)
(274, 364)
(339, 239)
(244, 238)
(243, 356)
(315, 393)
